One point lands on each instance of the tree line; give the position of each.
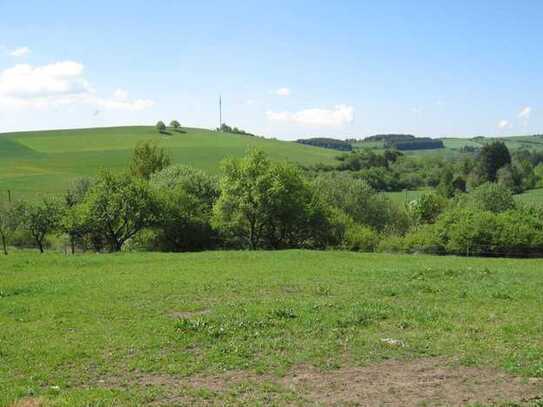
(392, 170)
(257, 203)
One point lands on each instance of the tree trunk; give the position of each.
(72, 244)
(4, 245)
(40, 245)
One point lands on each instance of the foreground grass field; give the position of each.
(46, 161)
(270, 328)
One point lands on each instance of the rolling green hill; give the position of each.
(46, 161)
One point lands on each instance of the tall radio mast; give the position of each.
(220, 113)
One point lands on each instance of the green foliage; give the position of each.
(160, 126)
(427, 208)
(492, 157)
(323, 142)
(9, 221)
(116, 207)
(186, 197)
(233, 130)
(148, 158)
(41, 218)
(446, 185)
(472, 231)
(175, 124)
(423, 239)
(491, 197)
(360, 238)
(361, 202)
(243, 207)
(267, 204)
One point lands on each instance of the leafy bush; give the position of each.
(116, 207)
(391, 244)
(41, 218)
(491, 197)
(360, 238)
(427, 208)
(269, 205)
(423, 239)
(361, 202)
(148, 158)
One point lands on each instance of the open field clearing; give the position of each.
(46, 161)
(534, 196)
(269, 328)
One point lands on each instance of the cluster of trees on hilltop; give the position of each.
(161, 126)
(324, 142)
(233, 130)
(257, 203)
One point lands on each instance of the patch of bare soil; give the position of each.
(28, 402)
(427, 382)
(421, 382)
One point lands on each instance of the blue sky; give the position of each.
(285, 69)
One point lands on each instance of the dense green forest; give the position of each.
(332, 143)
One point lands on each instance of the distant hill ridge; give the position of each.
(47, 161)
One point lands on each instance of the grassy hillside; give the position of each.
(46, 161)
(268, 328)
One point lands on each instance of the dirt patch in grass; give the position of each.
(429, 382)
(28, 402)
(415, 383)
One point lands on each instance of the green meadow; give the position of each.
(46, 161)
(531, 197)
(268, 328)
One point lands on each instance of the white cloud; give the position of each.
(336, 117)
(27, 82)
(120, 94)
(504, 124)
(20, 52)
(525, 113)
(60, 83)
(282, 92)
(120, 101)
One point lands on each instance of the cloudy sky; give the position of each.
(285, 69)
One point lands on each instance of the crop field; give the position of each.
(269, 328)
(46, 161)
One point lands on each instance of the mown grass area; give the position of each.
(46, 161)
(75, 331)
(532, 197)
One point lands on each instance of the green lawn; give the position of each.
(458, 143)
(532, 197)
(46, 161)
(229, 327)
